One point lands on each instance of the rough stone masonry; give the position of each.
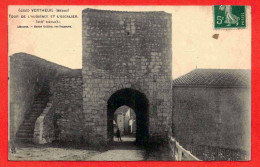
(127, 60)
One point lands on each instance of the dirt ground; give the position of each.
(51, 154)
(124, 150)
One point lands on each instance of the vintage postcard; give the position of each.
(129, 83)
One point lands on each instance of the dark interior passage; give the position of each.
(138, 103)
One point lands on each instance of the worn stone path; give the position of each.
(119, 151)
(50, 154)
(119, 155)
(128, 151)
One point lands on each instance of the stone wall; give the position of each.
(27, 74)
(67, 108)
(126, 50)
(212, 116)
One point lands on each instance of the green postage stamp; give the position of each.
(229, 16)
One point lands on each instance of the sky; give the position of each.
(192, 43)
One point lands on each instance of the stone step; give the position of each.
(33, 114)
(44, 96)
(41, 99)
(26, 126)
(31, 117)
(30, 120)
(36, 110)
(29, 123)
(24, 139)
(39, 105)
(24, 135)
(40, 102)
(25, 131)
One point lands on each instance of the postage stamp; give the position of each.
(229, 16)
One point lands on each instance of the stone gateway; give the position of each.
(127, 60)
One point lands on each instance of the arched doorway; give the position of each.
(136, 101)
(125, 121)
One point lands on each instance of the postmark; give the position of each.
(229, 16)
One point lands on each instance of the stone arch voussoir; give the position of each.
(124, 86)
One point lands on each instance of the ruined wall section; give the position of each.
(126, 50)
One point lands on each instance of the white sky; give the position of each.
(192, 42)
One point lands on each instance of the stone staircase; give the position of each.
(26, 129)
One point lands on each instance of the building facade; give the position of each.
(212, 107)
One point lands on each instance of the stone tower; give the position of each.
(127, 60)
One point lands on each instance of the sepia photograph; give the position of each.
(129, 83)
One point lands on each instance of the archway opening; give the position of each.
(138, 102)
(124, 124)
